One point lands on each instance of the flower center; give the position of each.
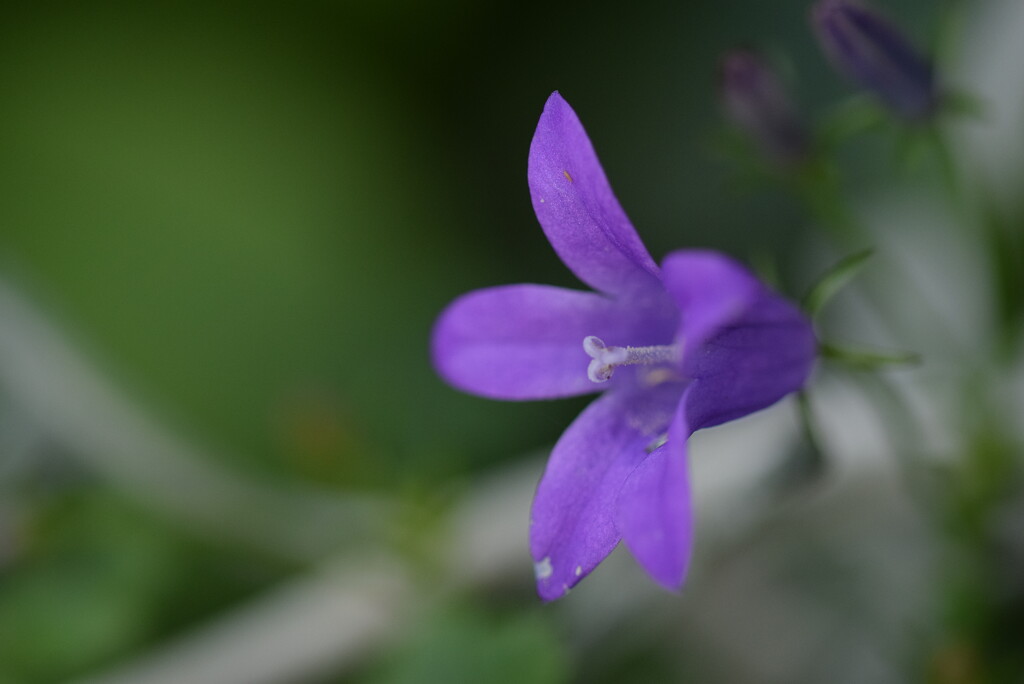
(606, 359)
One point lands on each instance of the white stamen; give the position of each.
(606, 359)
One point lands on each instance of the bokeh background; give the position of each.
(227, 228)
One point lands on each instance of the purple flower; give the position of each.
(697, 342)
(756, 101)
(874, 54)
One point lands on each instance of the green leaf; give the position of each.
(961, 104)
(470, 645)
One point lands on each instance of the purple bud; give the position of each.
(874, 54)
(756, 101)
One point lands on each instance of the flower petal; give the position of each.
(578, 211)
(710, 289)
(655, 512)
(573, 525)
(526, 341)
(751, 362)
(745, 347)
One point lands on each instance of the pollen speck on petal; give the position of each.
(543, 569)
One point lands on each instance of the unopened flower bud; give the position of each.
(877, 56)
(756, 101)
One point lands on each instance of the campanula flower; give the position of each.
(874, 54)
(756, 101)
(694, 343)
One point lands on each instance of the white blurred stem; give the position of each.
(74, 405)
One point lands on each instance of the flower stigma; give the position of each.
(606, 359)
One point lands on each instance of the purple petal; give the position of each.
(526, 341)
(751, 363)
(744, 346)
(710, 289)
(573, 525)
(655, 511)
(578, 211)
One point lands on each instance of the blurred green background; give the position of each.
(248, 216)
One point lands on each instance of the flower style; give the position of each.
(873, 53)
(697, 342)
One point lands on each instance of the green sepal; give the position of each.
(867, 359)
(833, 280)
